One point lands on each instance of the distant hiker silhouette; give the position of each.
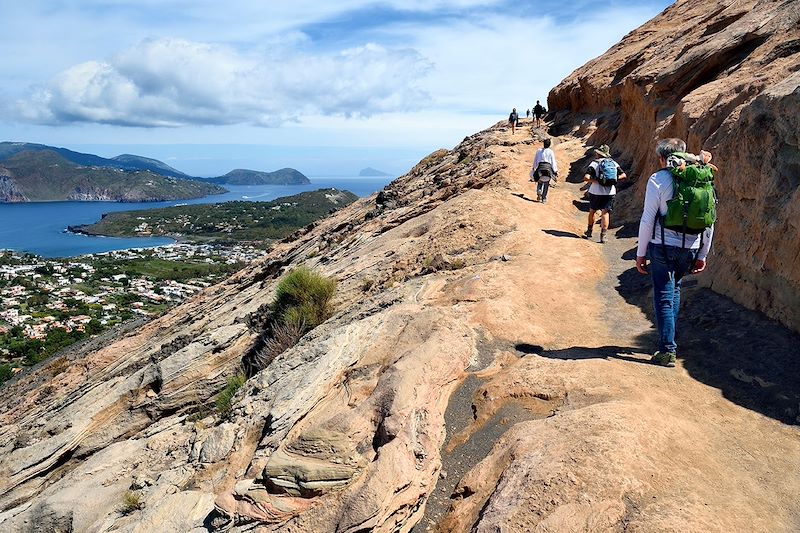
(512, 119)
(602, 176)
(675, 233)
(538, 112)
(543, 170)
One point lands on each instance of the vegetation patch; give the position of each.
(303, 300)
(131, 501)
(225, 397)
(228, 222)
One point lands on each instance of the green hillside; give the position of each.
(224, 222)
(45, 175)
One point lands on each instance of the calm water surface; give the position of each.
(40, 227)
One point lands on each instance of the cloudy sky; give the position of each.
(283, 83)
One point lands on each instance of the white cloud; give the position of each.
(174, 82)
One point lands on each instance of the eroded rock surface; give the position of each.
(465, 360)
(725, 76)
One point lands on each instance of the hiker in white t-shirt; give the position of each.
(543, 170)
(602, 176)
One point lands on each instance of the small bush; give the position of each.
(302, 302)
(367, 284)
(5, 373)
(58, 366)
(131, 501)
(224, 398)
(304, 298)
(283, 337)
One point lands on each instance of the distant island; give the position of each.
(47, 176)
(224, 222)
(32, 172)
(371, 172)
(240, 176)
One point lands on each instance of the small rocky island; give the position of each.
(240, 176)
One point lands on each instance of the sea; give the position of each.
(41, 227)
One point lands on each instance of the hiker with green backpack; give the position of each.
(675, 233)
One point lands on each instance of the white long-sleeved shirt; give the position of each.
(659, 190)
(544, 154)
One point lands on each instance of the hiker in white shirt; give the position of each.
(543, 170)
(672, 254)
(601, 197)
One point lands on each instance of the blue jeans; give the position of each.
(667, 271)
(541, 189)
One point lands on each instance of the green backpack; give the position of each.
(693, 207)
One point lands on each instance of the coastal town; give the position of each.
(49, 304)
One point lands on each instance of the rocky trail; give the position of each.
(486, 369)
(706, 462)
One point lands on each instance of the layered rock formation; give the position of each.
(485, 370)
(464, 382)
(725, 76)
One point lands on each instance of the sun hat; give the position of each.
(603, 151)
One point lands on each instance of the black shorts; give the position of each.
(601, 202)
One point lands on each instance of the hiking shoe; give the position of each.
(602, 238)
(538, 198)
(587, 234)
(663, 358)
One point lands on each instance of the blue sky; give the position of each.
(399, 78)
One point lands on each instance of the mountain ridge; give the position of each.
(46, 176)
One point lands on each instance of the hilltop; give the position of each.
(284, 176)
(45, 176)
(121, 162)
(369, 171)
(36, 173)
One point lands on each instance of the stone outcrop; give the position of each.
(464, 382)
(468, 380)
(724, 76)
(138, 408)
(9, 192)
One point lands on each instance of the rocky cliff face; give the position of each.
(133, 415)
(724, 76)
(9, 192)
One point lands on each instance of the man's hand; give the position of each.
(623, 176)
(641, 265)
(699, 266)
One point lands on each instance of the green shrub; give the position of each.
(224, 398)
(302, 302)
(367, 284)
(131, 501)
(5, 373)
(303, 298)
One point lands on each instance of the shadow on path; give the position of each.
(750, 358)
(633, 355)
(522, 195)
(581, 205)
(559, 233)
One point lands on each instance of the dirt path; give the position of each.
(581, 431)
